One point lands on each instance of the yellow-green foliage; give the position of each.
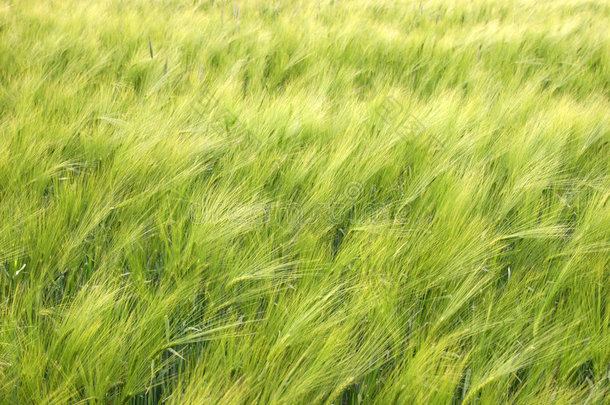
(335, 201)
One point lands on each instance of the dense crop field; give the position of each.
(335, 201)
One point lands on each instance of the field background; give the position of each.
(292, 202)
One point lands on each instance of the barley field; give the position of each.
(304, 202)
